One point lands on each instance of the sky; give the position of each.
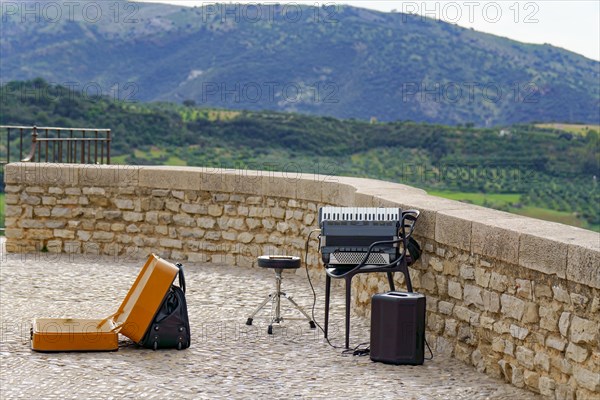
(572, 25)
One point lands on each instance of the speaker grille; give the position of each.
(357, 257)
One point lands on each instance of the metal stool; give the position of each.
(279, 263)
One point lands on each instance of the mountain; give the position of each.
(343, 62)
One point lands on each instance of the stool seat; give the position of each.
(279, 262)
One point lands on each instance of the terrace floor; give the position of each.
(227, 359)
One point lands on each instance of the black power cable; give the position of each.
(356, 351)
(312, 288)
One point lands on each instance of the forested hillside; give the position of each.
(535, 171)
(341, 61)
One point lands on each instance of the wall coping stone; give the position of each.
(551, 248)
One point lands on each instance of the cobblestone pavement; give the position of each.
(227, 359)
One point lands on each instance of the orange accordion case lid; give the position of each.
(132, 319)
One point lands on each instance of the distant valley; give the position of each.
(344, 62)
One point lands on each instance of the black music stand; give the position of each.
(405, 259)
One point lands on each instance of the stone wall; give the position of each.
(515, 297)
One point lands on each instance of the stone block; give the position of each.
(124, 204)
(101, 236)
(445, 307)
(41, 211)
(472, 295)
(43, 174)
(524, 288)
(579, 301)
(467, 272)
(583, 330)
(450, 328)
(71, 191)
(586, 378)
(112, 215)
(561, 294)
(169, 204)
(131, 216)
(230, 235)
(531, 379)
(245, 237)
(595, 307)
(442, 284)
(131, 228)
(178, 178)
(497, 281)
(60, 212)
(171, 243)
(542, 290)
(183, 220)
(531, 315)
(512, 307)
(435, 323)
(564, 392)
(518, 332)
(542, 361)
(453, 230)
(215, 210)
(109, 175)
(576, 353)
(436, 264)
(466, 315)
(194, 208)
(525, 356)
(63, 233)
(539, 253)
(491, 301)
(47, 201)
(212, 235)
(556, 342)
(94, 191)
(14, 233)
(495, 242)
(455, 290)
(206, 222)
(160, 192)
(583, 260)
(31, 223)
(563, 323)
(546, 386)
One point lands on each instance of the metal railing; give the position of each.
(58, 145)
(54, 145)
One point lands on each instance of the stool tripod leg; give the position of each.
(299, 308)
(251, 317)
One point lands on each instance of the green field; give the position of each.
(576, 129)
(511, 203)
(481, 199)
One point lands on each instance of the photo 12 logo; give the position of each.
(469, 92)
(69, 11)
(270, 92)
(455, 12)
(126, 92)
(269, 12)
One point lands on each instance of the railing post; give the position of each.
(31, 156)
(7, 145)
(108, 147)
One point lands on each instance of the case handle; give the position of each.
(181, 276)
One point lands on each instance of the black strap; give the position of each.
(181, 276)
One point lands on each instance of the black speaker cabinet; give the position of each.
(398, 328)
